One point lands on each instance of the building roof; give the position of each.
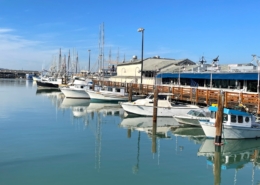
(155, 63)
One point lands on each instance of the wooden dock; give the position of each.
(198, 95)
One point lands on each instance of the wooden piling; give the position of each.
(93, 85)
(155, 104)
(129, 132)
(130, 92)
(219, 119)
(154, 144)
(217, 165)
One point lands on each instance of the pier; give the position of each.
(8, 73)
(195, 95)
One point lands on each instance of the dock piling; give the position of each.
(219, 119)
(155, 104)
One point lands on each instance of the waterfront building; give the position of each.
(184, 72)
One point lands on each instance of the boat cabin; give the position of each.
(233, 117)
(116, 90)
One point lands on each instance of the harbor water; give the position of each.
(48, 139)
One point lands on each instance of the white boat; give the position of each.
(237, 124)
(145, 124)
(194, 117)
(77, 89)
(165, 108)
(108, 93)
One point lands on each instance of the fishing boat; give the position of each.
(237, 124)
(108, 93)
(77, 89)
(194, 117)
(165, 108)
(50, 83)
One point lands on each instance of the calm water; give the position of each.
(46, 139)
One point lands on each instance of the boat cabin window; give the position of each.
(213, 114)
(233, 118)
(109, 89)
(225, 118)
(247, 119)
(162, 97)
(240, 119)
(117, 90)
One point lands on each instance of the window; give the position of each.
(225, 117)
(213, 114)
(247, 119)
(233, 118)
(240, 119)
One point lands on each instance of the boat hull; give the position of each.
(190, 120)
(74, 93)
(231, 132)
(98, 96)
(147, 110)
(43, 84)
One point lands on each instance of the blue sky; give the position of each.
(32, 31)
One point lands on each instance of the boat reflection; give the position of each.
(108, 109)
(234, 154)
(195, 134)
(78, 106)
(48, 91)
(145, 124)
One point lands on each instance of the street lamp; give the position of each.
(179, 80)
(135, 72)
(123, 69)
(89, 60)
(142, 53)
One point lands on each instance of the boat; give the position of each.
(165, 108)
(77, 89)
(194, 117)
(237, 124)
(145, 124)
(50, 83)
(108, 93)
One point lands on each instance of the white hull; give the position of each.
(231, 132)
(147, 110)
(108, 96)
(74, 93)
(194, 121)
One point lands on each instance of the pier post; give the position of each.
(93, 85)
(219, 119)
(155, 104)
(130, 92)
(217, 165)
(129, 132)
(154, 144)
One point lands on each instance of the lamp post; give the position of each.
(142, 53)
(135, 72)
(258, 68)
(123, 69)
(89, 60)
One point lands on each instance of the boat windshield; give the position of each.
(196, 113)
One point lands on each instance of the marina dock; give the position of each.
(195, 95)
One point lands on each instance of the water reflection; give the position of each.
(234, 154)
(145, 124)
(195, 134)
